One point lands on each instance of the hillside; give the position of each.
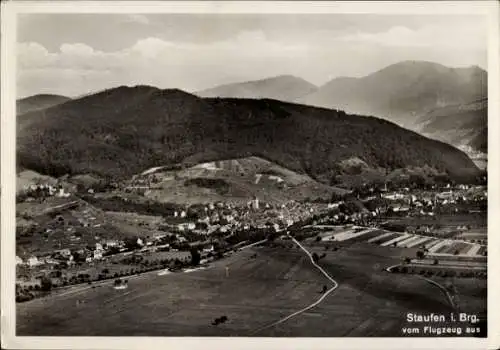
(37, 102)
(126, 130)
(234, 180)
(403, 91)
(459, 125)
(284, 88)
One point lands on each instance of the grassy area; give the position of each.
(259, 286)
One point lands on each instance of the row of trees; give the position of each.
(439, 273)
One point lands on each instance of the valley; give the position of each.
(270, 208)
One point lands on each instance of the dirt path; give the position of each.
(296, 313)
(428, 280)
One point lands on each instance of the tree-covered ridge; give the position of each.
(123, 131)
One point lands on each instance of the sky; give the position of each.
(75, 54)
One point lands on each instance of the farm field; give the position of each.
(404, 240)
(257, 292)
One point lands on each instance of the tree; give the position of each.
(195, 257)
(45, 284)
(318, 238)
(420, 254)
(435, 262)
(131, 243)
(315, 257)
(407, 260)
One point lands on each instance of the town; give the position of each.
(69, 235)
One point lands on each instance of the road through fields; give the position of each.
(296, 313)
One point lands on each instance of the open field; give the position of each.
(258, 291)
(404, 240)
(477, 221)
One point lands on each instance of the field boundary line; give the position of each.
(428, 280)
(443, 289)
(317, 302)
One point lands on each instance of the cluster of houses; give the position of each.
(227, 217)
(46, 190)
(96, 252)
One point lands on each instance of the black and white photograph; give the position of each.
(217, 171)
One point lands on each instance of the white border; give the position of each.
(8, 129)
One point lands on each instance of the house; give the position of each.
(393, 196)
(33, 261)
(181, 239)
(208, 248)
(97, 254)
(65, 252)
(62, 194)
(159, 235)
(112, 243)
(140, 242)
(19, 261)
(186, 226)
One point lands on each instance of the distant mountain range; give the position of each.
(460, 125)
(403, 93)
(123, 131)
(37, 102)
(284, 88)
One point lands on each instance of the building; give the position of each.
(33, 261)
(112, 243)
(19, 261)
(186, 226)
(255, 203)
(208, 248)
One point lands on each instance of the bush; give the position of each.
(45, 284)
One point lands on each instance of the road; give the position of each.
(317, 302)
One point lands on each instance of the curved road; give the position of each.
(335, 285)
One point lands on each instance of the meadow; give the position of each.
(260, 286)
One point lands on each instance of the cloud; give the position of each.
(142, 19)
(466, 36)
(76, 50)
(76, 68)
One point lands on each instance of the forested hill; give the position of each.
(122, 131)
(37, 102)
